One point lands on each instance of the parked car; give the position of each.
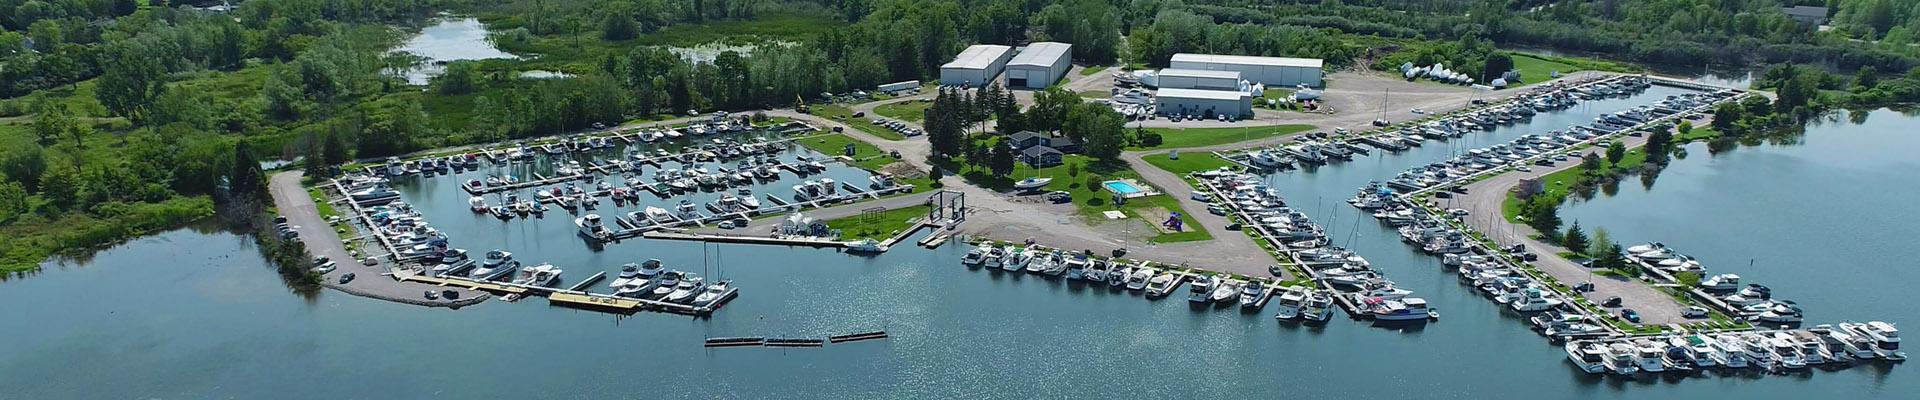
(1694, 312)
(1059, 197)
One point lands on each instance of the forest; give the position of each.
(118, 117)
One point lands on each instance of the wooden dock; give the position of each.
(572, 296)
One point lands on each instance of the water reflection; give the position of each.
(448, 39)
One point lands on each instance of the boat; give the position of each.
(1042, 263)
(1032, 183)
(1162, 284)
(592, 228)
(1225, 292)
(995, 256)
(974, 257)
(1117, 278)
(1721, 282)
(1620, 360)
(477, 204)
(1534, 300)
(1886, 338)
(1250, 294)
(1201, 289)
(1319, 306)
(664, 285)
(1785, 353)
(1292, 305)
(628, 273)
(1649, 356)
(1589, 356)
(1404, 309)
(1138, 280)
(689, 286)
(1016, 259)
(713, 294)
(497, 263)
(867, 246)
(539, 275)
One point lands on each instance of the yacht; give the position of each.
(664, 285)
(477, 204)
(1319, 306)
(1853, 344)
(1726, 352)
(651, 268)
(1721, 282)
(1291, 304)
(1075, 267)
(1645, 247)
(1117, 278)
(1404, 309)
(689, 286)
(1226, 292)
(1620, 359)
(498, 263)
(1699, 351)
(1017, 259)
(712, 294)
(1096, 270)
(1201, 290)
(1042, 262)
(1779, 312)
(1162, 284)
(1886, 338)
(974, 257)
(1250, 294)
(539, 275)
(1138, 280)
(995, 256)
(1589, 356)
(628, 274)
(748, 200)
(1534, 300)
(1649, 356)
(1784, 353)
(1812, 347)
(591, 227)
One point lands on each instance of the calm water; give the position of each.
(448, 39)
(191, 314)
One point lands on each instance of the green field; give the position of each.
(1188, 162)
(1536, 68)
(1090, 201)
(877, 226)
(865, 155)
(905, 111)
(1090, 70)
(1176, 138)
(1559, 182)
(864, 124)
(776, 27)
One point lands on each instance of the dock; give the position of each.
(568, 297)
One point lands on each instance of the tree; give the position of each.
(246, 181)
(1660, 144)
(1002, 159)
(1575, 239)
(1100, 129)
(132, 79)
(61, 187)
(1866, 79)
(1590, 163)
(460, 78)
(334, 148)
(52, 122)
(944, 125)
(1497, 65)
(1615, 153)
(27, 164)
(13, 201)
(1599, 244)
(1050, 109)
(1724, 117)
(618, 26)
(1543, 213)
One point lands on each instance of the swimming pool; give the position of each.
(1122, 188)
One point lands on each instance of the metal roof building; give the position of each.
(976, 65)
(1203, 103)
(1039, 65)
(1271, 71)
(1172, 78)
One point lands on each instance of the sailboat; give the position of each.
(1032, 183)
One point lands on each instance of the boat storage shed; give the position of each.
(1198, 79)
(1271, 71)
(976, 65)
(1039, 65)
(1204, 103)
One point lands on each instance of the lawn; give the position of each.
(864, 124)
(1536, 68)
(1188, 163)
(912, 110)
(1094, 69)
(865, 155)
(320, 202)
(1175, 138)
(877, 226)
(1090, 201)
(1559, 182)
(1094, 94)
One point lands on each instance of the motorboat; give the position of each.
(1620, 359)
(1117, 278)
(651, 268)
(1292, 303)
(1649, 356)
(1201, 290)
(539, 275)
(1589, 356)
(1721, 282)
(1319, 306)
(1779, 312)
(1785, 353)
(1250, 294)
(591, 227)
(1403, 309)
(477, 204)
(1042, 262)
(1534, 300)
(1017, 260)
(974, 257)
(1138, 280)
(690, 285)
(1162, 284)
(1886, 338)
(664, 285)
(713, 293)
(1226, 292)
(1698, 350)
(1752, 294)
(628, 273)
(994, 257)
(497, 263)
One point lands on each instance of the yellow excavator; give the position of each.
(800, 104)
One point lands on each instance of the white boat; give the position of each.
(1138, 280)
(477, 204)
(591, 227)
(1620, 359)
(539, 275)
(1648, 356)
(1042, 262)
(868, 246)
(1534, 300)
(1727, 352)
(497, 263)
(1785, 354)
(1404, 309)
(1589, 356)
(1698, 351)
(1721, 282)
(628, 274)
(1319, 306)
(1645, 247)
(1886, 338)
(994, 258)
(1225, 292)
(1291, 304)
(1016, 259)
(712, 293)
(1032, 183)
(974, 257)
(689, 286)
(1161, 284)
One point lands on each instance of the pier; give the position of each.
(572, 296)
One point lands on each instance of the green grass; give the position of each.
(1090, 201)
(865, 155)
(904, 111)
(877, 226)
(777, 27)
(1176, 138)
(1276, 94)
(864, 124)
(1536, 68)
(1560, 182)
(1094, 94)
(1092, 69)
(320, 202)
(1188, 162)
(1697, 133)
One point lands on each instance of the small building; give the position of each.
(976, 66)
(1172, 78)
(1204, 103)
(1041, 156)
(1808, 15)
(1270, 71)
(1028, 139)
(897, 87)
(1039, 65)
(1528, 187)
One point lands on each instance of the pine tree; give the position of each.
(1575, 239)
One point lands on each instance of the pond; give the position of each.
(447, 40)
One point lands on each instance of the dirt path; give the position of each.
(292, 200)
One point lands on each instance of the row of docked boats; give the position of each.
(394, 167)
(651, 280)
(1153, 280)
(1840, 344)
(1263, 210)
(1750, 301)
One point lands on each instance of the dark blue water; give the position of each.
(196, 314)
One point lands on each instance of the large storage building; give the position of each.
(976, 66)
(1171, 78)
(1271, 71)
(1203, 103)
(1039, 65)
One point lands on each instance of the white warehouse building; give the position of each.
(976, 66)
(1203, 103)
(1039, 65)
(1271, 71)
(1172, 78)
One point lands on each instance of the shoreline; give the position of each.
(293, 201)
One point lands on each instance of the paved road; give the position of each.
(293, 202)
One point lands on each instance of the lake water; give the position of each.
(197, 314)
(448, 39)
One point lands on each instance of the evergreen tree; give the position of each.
(1615, 153)
(1575, 239)
(246, 181)
(1003, 159)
